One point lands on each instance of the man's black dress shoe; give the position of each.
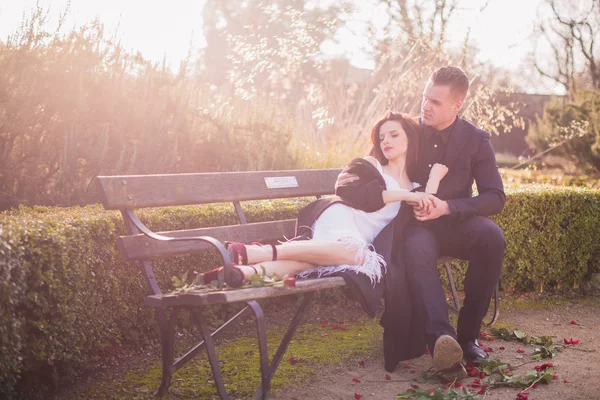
(472, 351)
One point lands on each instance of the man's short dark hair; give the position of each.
(453, 77)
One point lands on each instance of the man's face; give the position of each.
(439, 106)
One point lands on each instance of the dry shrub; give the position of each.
(76, 105)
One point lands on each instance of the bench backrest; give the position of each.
(127, 193)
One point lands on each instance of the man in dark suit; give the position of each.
(458, 226)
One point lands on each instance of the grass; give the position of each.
(314, 347)
(543, 304)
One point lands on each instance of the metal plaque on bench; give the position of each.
(277, 182)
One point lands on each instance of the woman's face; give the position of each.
(392, 140)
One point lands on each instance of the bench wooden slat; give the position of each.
(141, 247)
(239, 295)
(137, 191)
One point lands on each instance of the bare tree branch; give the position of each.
(571, 33)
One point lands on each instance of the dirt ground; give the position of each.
(577, 366)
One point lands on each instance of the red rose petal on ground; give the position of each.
(407, 366)
(357, 396)
(522, 396)
(334, 326)
(566, 381)
(361, 364)
(534, 385)
(573, 322)
(482, 375)
(356, 380)
(501, 347)
(520, 351)
(293, 360)
(413, 371)
(554, 377)
(488, 350)
(387, 377)
(482, 390)
(482, 335)
(474, 372)
(489, 338)
(543, 366)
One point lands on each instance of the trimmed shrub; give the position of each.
(66, 295)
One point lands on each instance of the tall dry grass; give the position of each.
(76, 105)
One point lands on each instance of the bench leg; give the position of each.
(300, 312)
(496, 307)
(212, 354)
(456, 306)
(167, 334)
(265, 385)
(181, 361)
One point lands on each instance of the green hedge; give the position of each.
(66, 296)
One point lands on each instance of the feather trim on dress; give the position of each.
(373, 265)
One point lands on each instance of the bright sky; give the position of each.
(501, 30)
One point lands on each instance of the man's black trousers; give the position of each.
(478, 240)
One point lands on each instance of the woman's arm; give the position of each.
(437, 173)
(390, 196)
(417, 198)
(420, 199)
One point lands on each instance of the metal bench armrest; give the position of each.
(220, 247)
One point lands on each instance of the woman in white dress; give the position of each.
(342, 236)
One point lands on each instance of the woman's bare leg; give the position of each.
(308, 251)
(279, 267)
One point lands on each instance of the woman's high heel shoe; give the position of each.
(239, 255)
(236, 278)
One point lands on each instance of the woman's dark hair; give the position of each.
(411, 128)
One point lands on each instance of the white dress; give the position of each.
(357, 229)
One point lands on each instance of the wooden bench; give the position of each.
(128, 193)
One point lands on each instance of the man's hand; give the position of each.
(439, 209)
(345, 178)
(422, 201)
